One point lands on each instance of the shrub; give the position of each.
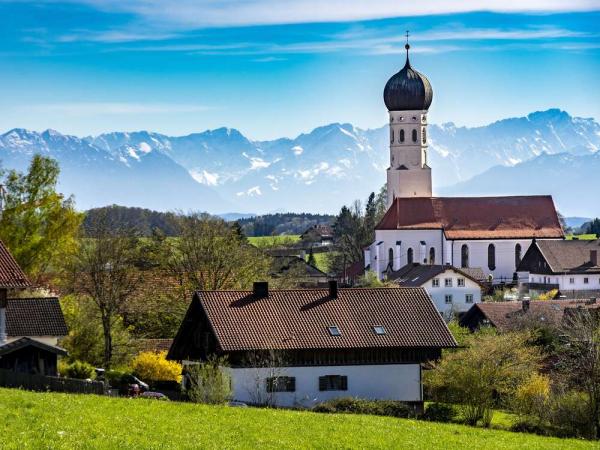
(531, 398)
(527, 426)
(208, 382)
(80, 370)
(439, 412)
(570, 416)
(362, 406)
(114, 377)
(153, 366)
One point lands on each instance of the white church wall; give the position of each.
(382, 382)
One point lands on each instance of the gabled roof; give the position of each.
(35, 317)
(502, 315)
(283, 264)
(299, 319)
(11, 275)
(522, 217)
(28, 342)
(415, 274)
(321, 230)
(571, 256)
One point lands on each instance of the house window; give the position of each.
(409, 256)
(448, 282)
(333, 383)
(586, 280)
(423, 135)
(491, 257)
(379, 329)
(391, 258)
(281, 384)
(435, 282)
(448, 298)
(432, 255)
(464, 256)
(414, 135)
(468, 298)
(334, 331)
(517, 255)
(401, 134)
(571, 280)
(460, 282)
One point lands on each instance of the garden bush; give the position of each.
(154, 366)
(80, 370)
(361, 406)
(439, 412)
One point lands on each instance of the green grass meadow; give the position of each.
(65, 421)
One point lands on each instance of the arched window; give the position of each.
(517, 255)
(409, 256)
(414, 135)
(423, 135)
(391, 258)
(491, 257)
(401, 135)
(391, 136)
(432, 255)
(464, 256)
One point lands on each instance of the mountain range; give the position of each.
(222, 170)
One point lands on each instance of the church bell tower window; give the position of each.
(414, 135)
(491, 257)
(401, 135)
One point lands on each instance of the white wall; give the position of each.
(384, 382)
(459, 304)
(564, 281)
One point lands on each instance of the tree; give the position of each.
(480, 376)
(579, 360)
(38, 224)
(594, 227)
(311, 258)
(210, 255)
(104, 270)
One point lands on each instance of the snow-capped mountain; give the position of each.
(222, 170)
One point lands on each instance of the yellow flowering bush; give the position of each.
(531, 397)
(153, 366)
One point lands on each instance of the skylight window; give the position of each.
(379, 329)
(334, 331)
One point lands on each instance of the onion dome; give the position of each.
(408, 90)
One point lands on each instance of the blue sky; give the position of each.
(278, 68)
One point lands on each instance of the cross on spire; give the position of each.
(407, 35)
(407, 46)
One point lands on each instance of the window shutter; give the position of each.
(343, 383)
(322, 383)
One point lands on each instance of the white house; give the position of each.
(452, 290)
(492, 233)
(572, 267)
(300, 347)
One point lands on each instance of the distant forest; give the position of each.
(144, 221)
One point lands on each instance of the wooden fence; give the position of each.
(43, 383)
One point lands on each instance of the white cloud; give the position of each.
(114, 108)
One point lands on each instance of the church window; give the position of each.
(401, 118)
(414, 135)
(423, 135)
(391, 257)
(491, 257)
(414, 118)
(401, 135)
(391, 136)
(409, 256)
(464, 256)
(517, 255)
(432, 255)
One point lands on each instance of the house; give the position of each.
(569, 266)
(296, 348)
(492, 233)
(505, 316)
(299, 269)
(453, 290)
(318, 235)
(29, 327)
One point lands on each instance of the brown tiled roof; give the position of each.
(299, 319)
(283, 264)
(476, 217)
(35, 317)
(571, 256)
(153, 345)
(416, 274)
(11, 275)
(321, 230)
(503, 315)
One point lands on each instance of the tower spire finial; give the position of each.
(407, 46)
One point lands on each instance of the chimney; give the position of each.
(594, 257)
(333, 289)
(261, 289)
(3, 304)
(525, 305)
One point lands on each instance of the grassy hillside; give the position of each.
(46, 420)
(582, 236)
(271, 241)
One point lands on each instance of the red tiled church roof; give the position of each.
(519, 217)
(299, 319)
(11, 275)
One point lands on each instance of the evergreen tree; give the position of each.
(594, 227)
(311, 258)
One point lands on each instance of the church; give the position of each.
(491, 233)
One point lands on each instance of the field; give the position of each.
(583, 237)
(67, 421)
(270, 241)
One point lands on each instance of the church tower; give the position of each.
(408, 95)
